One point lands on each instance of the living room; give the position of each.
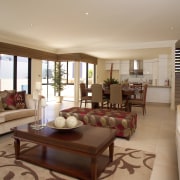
(82, 28)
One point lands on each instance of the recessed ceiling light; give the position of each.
(172, 28)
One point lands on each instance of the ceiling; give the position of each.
(108, 29)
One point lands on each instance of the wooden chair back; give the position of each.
(97, 93)
(83, 91)
(115, 94)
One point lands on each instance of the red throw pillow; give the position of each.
(8, 101)
(19, 99)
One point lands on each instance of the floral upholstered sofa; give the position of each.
(16, 108)
(124, 122)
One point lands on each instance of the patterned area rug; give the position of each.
(129, 164)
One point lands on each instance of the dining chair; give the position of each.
(141, 101)
(84, 95)
(97, 95)
(116, 98)
(137, 89)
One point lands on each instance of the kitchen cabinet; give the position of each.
(158, 94)
(163, 69)
(147, 67)
(124, 67)
(155, 71)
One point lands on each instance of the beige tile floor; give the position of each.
(155, 133)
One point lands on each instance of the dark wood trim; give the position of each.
(77, 57)
(29, 75)
(16, 50)
(15, 73)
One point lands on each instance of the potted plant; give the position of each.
(58, 85)
(110, 81)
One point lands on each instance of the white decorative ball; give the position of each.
(71, 122)
(60, 122)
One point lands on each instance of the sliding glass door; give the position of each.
(6, 71)
(22, 73)
(47, 79)
(86, 74)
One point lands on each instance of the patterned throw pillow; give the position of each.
(8, 101)
(3, 94)
(19, 99)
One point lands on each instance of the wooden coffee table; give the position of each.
(77, 153)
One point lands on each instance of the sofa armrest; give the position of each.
(29, 101)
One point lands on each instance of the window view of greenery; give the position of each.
(87, 73)
(47, 79)
(90, 74)
(19, 81)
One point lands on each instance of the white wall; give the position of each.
(178, 137)
(36, 71)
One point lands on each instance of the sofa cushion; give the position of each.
(19, 99)
(4, 94)
(10, 115)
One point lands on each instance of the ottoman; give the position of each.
(125, 123)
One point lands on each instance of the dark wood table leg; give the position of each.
(44, 150)
(93, 168)
(111, 152)
(17, 147)
(95, 105)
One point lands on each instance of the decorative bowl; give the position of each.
(50, 124)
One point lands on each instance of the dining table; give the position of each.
(127, 92)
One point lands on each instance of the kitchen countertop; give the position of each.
(158, 86)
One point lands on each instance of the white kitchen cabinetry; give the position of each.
(116, 65)
(124, 67)
(158, 94)
(163, 69)
(155, 72)
(147, 67)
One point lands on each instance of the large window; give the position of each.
(6, 72)
(69, 69)
(68, 80)
(22, 73)
(14, 73)
(47, 79)
(87, 75)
